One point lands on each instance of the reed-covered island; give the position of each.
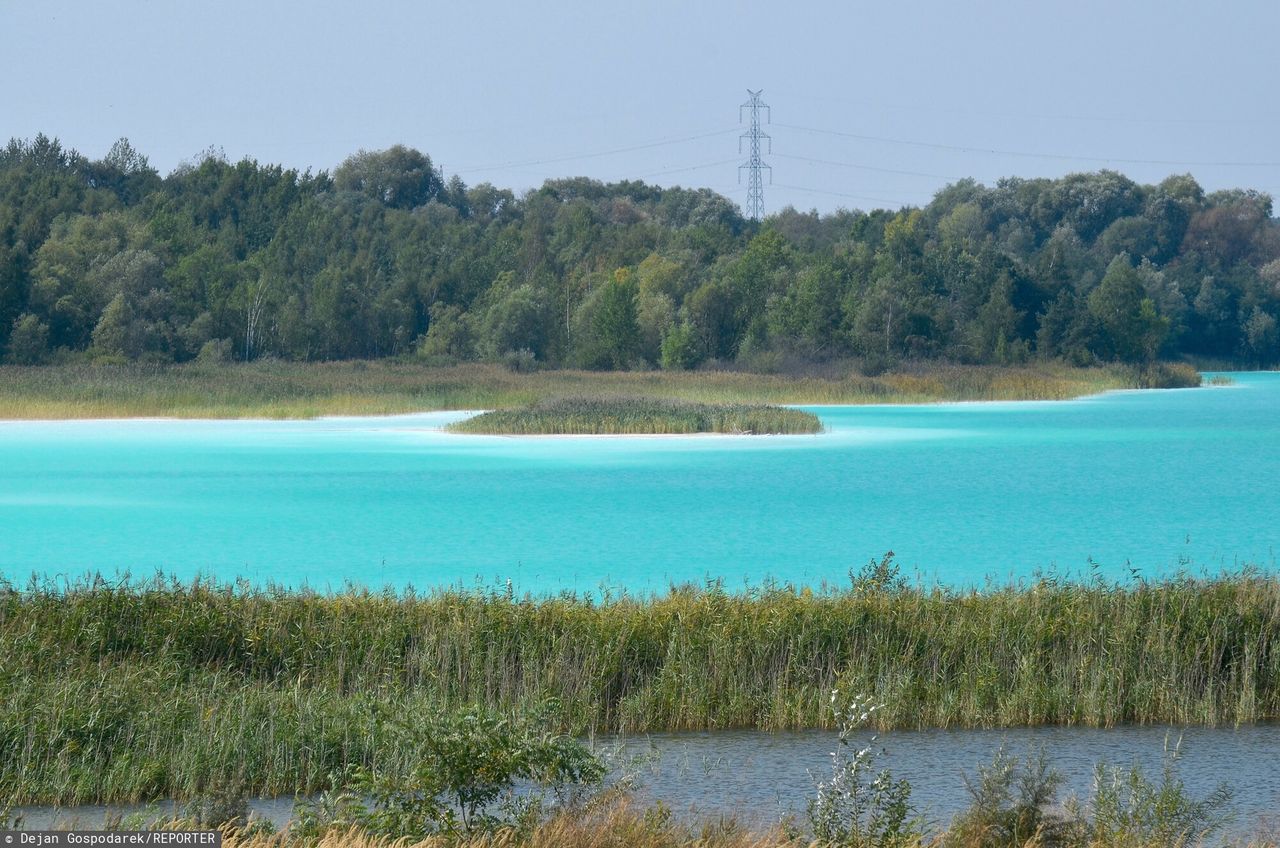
(581, 416)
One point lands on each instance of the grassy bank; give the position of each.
(621, 825)
(638, 416)
(634, 829)
(304, 390)
(111, 693)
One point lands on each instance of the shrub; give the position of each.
(1011, 805)
(214, 351)
(520, 361)
(1130, 808)
(465, 781)
(877, 577)
(29, 341)
(858, 806)
(221, 807)
(679, 351)
(1166, 375)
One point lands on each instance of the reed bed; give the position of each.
(638, 416)
(142, 690)
(305, 390)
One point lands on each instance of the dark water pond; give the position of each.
(759, 777)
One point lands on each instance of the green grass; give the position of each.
(162, 690)
(636, 416)
(305, 390)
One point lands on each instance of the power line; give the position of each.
(755, 165)
(595, 154)
(865, 167)
(688, 168)
(843, 194)
(1036, 116)
(1023, 153)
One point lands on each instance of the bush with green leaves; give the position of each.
(1130, 808)
(219, 807)
(1012, 804)
(479, 771)
(859, 806)
(884, 576)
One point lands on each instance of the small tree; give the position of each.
(1261, 340)
(1133, 328)
(1130, 808)
(448, 334)
(1010, 804)
(115, 335)
(617, 332)
(464, 779)
(858, 806)
(517, 322)
(29, 341)
(679, 348)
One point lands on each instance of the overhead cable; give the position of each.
(1028, 154)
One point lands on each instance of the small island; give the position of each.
(636, 416)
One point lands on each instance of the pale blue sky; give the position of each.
(515, 92)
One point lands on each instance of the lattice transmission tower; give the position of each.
(755, 165)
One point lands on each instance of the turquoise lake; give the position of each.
(962, 493)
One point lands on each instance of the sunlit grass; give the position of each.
(304, 390)
(611, 825)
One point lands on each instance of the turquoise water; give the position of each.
(961, 493)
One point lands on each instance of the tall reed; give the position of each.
(119, 692)
(620, 416)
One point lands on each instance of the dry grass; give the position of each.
(622, 826)
(617, 825)
(305, 390)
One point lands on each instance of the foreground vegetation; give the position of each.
(116, 693)
(305, 390)
(622, 826)
(486, 779)
(482, 778)
(636, 416)
(617, 823)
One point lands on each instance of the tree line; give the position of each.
(105, 260)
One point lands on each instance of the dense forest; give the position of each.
(107, 261)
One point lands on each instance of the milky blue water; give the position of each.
(962, 493)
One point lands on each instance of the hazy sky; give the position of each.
(873, 103)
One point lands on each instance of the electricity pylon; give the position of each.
(754, 165)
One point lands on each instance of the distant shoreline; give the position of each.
(277, 390)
